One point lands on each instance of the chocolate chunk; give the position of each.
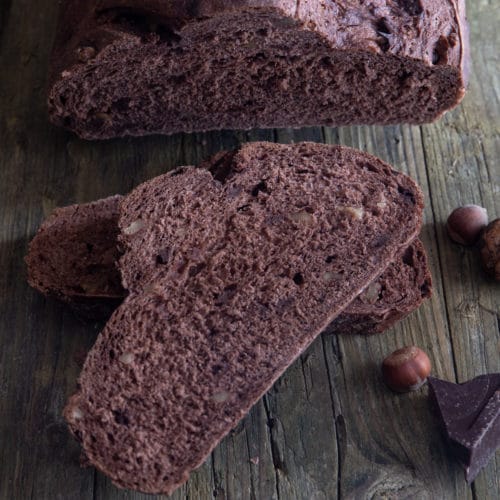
(470, 414)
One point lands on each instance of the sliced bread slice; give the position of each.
(397, 292)
(146, 67)
(73, 257)
(232, 272)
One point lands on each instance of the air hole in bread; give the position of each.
(120, 417)
(408, 257)
(382, 27)
(164, 256)
(194, 270)
(425, 288)
(298, 279)
(369, 167)
(222, 167)
(412, 7)
(326, 62)
(226, 295)
(121, 105)
(407, 194)
(261, 187)
(380, 241)
(383, 31)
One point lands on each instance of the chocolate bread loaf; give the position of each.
(73, 257)
(137, 67)
(397, 292)
(232, 271)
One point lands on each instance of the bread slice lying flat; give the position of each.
(72, 236)
(140, 67)
(73, 257)
(232, 271)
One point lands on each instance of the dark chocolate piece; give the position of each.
(470, 413)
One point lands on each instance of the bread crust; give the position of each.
(424, 43)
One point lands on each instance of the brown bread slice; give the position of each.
(396, 293)
(73, 257)
(136, 67)
(232, 271)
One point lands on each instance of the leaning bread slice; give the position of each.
(398, 291)
(232, 272)
(141, 67)
(73, 257)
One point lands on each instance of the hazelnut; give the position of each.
(302, 217)
(406, 369)
(85, 54)
(77, 414)
(465, 224)
(355, 213)
(127, 358)
(220, 397)
(330, 276)
(489, 248)
(103, 117)
(371, 294)
(134, 227)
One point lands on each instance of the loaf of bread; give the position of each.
(137, 67)
(55, 268)
(232, 270)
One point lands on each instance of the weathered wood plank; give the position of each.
(37, 337)
(391, 446)
(461, 154)
(329, 428)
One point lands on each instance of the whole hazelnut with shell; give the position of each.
(406, 369)
(465, 224)
(489, 248)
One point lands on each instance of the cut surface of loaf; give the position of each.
(137, 67)
(73, 257)
(232, 271)
(397, 292)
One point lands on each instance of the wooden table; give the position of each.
(329, 428)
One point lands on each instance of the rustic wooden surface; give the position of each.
(329, 428)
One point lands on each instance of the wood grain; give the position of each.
(328, 428)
